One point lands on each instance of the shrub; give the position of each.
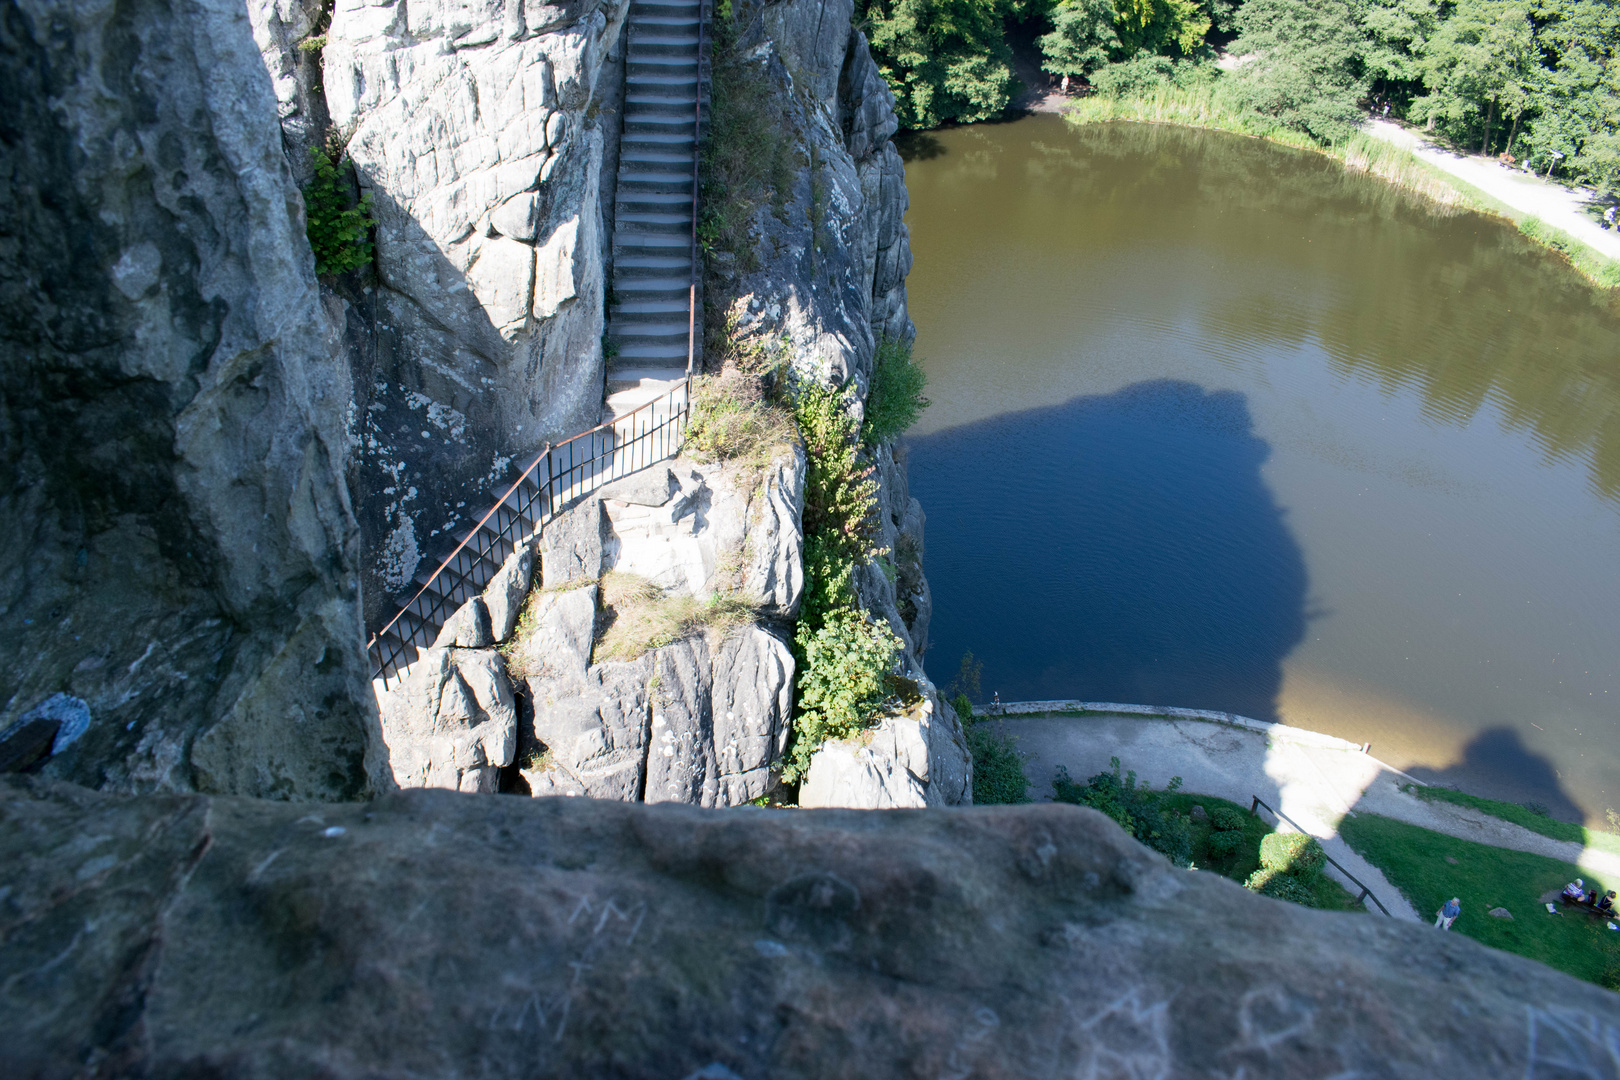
(842, 684)
(337, 228)
(998, 767)
(1224, 844)
(895, 399)
(1280, 886)
(1136, 809)
(1292, 853)
(840, 502)
(1227, 819)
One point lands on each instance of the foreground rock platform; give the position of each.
(437, 934)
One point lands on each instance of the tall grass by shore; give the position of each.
(1216, 108)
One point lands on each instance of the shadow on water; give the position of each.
(918, 146)
(1119, 547)
(1497, 765)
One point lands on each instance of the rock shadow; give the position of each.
(1497, 765)
(1118, 547)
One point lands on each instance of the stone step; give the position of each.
(681, 124)
(657, 101)
(658, 308)
(653, 83)
(662, 182)
(639, 242)
(649, 352)
(652, 266)
(664, 161)
(653, 287)
(659, 141)
(657, 222)
(654, 201)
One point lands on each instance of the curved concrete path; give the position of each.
(1559, 206)
(1313, 778)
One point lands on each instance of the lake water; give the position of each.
(1216, 424)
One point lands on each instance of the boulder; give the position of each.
(454, 723)
(681, 754)
(557, 644)
(596, 727)
(432, 933)
(917, 758)
(773, 539)
(571, 545)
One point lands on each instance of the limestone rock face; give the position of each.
(703, 528)
(477, 130)
(454, 723)
(182, 552)
(442, 934)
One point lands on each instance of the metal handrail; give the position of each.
(1366, 893)
(592, 478)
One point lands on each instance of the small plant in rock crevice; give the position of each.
(636, 616)
(844, 683)
(337, 226)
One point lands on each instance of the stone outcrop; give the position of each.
(182, 554)
(480, 133)
(828, 280)
(437, 934)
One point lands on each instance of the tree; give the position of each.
(1160, 26)
(1479, 67)
(1396, 32)
(1575, 103)
(1083, 38)
(945, 60)
(1307, 70)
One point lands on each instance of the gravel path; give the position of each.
(1314, 779)
(1557, 205)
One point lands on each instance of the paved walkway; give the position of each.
(1559, 206)
(1313, 778)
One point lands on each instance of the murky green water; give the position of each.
(1216, 424)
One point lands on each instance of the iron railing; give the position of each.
(554, 481)
(1366, 893)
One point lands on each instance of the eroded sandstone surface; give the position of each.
(438, 934)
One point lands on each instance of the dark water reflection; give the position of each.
(1225, 604)
(1217, 424)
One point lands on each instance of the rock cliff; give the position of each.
(438, 934)
(179, 583)
(482, 132)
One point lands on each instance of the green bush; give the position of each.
(842, 685)
(338, 229)
(1227, 819)
(1135, 807)
(1223, 845)
(1281, 886)
(998, 767)
(1292, 853)
(840, 501)
(895, 399)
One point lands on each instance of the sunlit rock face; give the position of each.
(180, 573)
(481, 133)
(440, 934)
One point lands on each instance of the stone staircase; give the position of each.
(648, 324)
(652, 236)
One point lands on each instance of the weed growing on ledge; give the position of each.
(338, 229)
(637, 616)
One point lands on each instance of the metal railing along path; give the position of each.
(553, 482)
(1366, 893)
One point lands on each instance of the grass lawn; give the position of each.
(1485, 877)
(1246, 859)
(1521, 815)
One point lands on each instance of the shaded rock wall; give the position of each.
(437, 934)
(181, 551)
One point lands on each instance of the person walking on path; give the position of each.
(1608, 217)
(1448, 914)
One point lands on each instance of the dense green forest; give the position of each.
(1532, 78)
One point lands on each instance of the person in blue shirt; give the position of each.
(1448, 914)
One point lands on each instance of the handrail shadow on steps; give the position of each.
(1366, 893)
(484, 549)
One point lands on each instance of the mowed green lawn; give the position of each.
(1485, 877)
